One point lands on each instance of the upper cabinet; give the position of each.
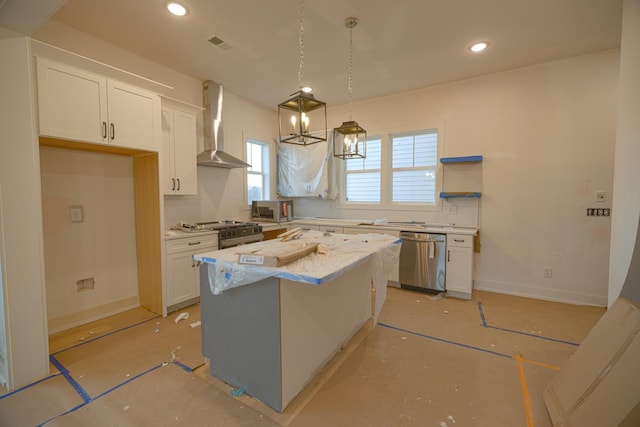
(78, 105)
(179, 147)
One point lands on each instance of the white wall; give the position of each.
(102, 246)
(625, 262)
(21, 249)
(547, 134)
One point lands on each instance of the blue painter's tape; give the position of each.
(183, 366)
(482, 318)
(18, 390)
(486, 325)
(65, 373)
(133, 378)
(534, 335)
(470, 347)
(105, 335)
(236, 392)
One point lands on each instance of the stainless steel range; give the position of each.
(230, 233)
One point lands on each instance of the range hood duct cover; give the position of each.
(213, 154)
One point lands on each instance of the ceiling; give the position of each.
(398, 46)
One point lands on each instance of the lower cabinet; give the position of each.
(459, 279)
(183, 279)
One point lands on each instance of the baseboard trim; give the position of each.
(67, 321)
(546, 294)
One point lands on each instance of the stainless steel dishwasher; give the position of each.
(422, 261)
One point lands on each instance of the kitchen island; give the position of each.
(269, 330)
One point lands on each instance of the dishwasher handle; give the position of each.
(427, 240)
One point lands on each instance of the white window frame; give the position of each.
(386, 175)
(347, 172)
(433, 169)
(266, 169)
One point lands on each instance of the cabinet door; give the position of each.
(134, 115)
(168, 173)
(72, 103)
(459, 280)
(182, 278)
(186, 170)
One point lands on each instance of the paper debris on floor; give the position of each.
(182, 316)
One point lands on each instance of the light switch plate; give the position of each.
(76, 213)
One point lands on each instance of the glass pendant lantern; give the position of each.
(350, 139)
(302, 119)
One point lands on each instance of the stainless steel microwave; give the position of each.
(272, 210)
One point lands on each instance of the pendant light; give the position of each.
(297, 114)
(350, 139)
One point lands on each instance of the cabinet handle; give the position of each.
(458, 240)
(104, 130)
(448, 252)
(178, 184)
(194, 243)
(113, 131)
(173, 188)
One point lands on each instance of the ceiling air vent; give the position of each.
(217, 41)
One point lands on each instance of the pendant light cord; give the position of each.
(350, 84)
(301, 42)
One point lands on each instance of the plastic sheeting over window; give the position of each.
(306, 171)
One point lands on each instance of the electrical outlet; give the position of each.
(601, 196)
(548, 272)
(452, 210)
(85, 284)
(76, 213)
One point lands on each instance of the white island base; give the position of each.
(270, 338)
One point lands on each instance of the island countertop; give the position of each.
(343, 251)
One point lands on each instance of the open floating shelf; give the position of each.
(459, 194)
(465, 159)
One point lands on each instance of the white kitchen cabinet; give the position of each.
(79, 105)
(183, 277)
(459, 277)
(179, 149)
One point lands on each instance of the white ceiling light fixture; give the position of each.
(176, 9)
(478, 47)
(297, 114)
(350, 139)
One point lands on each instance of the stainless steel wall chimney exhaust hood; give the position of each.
(213, 154)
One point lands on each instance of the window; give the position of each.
(258, 172)
(362, 176)
(414, 160)
(405, 176)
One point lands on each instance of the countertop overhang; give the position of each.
(343, 252)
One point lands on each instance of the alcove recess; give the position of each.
(147, 214)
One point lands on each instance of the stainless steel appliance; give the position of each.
(422, 261)
(272, 210)
(230, 233)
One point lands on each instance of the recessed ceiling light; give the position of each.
(177, 9)
(478, 47)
